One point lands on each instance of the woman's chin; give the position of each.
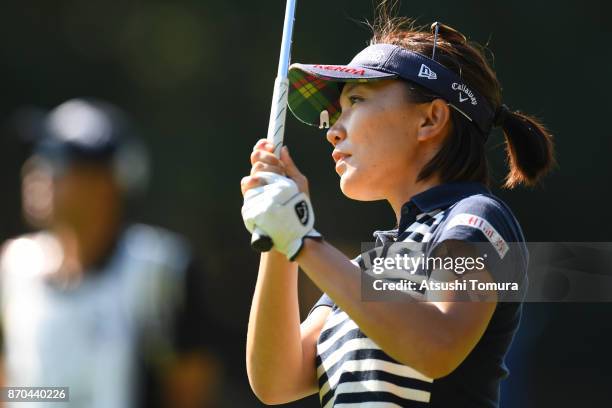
(355, 190)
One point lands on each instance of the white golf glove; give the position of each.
(281, 211)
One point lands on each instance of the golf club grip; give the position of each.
(278, 113)
(276, 131)
(276, 125)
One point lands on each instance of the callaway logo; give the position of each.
(426, 72)
(465, 90)
(301, 209)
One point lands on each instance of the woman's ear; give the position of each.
(436, 120)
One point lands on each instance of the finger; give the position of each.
(260, 143)
(266, 157)
(261, 166)
(264, 144)
(250, 182)
(290, 166)
(292, 171)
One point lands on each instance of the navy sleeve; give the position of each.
(480, 218)
(487, 222)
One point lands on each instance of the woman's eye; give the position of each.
(354, 99)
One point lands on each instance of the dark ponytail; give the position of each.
(462, 156)
(529, 147)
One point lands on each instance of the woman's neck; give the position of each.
(405, 192)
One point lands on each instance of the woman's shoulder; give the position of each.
(480, 218)
(483, 204)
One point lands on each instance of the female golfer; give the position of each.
(409, 118)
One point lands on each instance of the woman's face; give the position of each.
(378, 143)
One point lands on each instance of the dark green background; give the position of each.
(197, 77)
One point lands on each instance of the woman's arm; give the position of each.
(280, 354)
(431, 337)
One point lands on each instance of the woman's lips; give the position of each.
(340, 158)
(337, 155)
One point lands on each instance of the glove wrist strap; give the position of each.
(311, 235)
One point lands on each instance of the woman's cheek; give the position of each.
(356, 182)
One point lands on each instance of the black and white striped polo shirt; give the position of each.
(353, 371)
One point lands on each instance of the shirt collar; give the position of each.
(441, 196)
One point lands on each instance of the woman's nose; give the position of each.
(336, 133)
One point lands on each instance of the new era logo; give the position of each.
(426, 72)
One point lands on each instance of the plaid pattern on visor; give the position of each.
(309, 96)
(311, 91)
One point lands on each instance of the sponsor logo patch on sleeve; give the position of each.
(474, 221)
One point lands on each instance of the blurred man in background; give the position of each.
(110, 309)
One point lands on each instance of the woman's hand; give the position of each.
(263, 159)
